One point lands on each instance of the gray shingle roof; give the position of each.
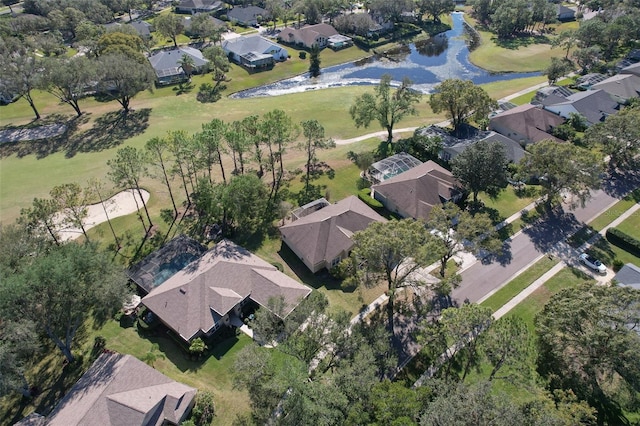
(325, 233)
(247, 14)
(594, 105)
(197, 296)
(628, 276)
(529, 120)
(170, 59)
(622, 86)
(632, 69)
(244, 45)
(121, 390)
(419, 189)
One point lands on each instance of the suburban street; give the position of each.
(544, 238)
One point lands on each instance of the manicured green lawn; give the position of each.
(631, 225)
(523, 54)
(522, 281)
(527, 309)
(612, 213)
(508, 202)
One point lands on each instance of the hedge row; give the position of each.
(624, 241)
(363, 194)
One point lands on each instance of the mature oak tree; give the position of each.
(69, 79)
(390, 252)
(563, 167)
(588, 340)
(124, 78)
(61, 289)
(482, 167)
(477, 233)
(169, 25)
(386, 105)
(461, 100)
(619, 136)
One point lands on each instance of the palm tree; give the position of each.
(153, 355)
(187, 64)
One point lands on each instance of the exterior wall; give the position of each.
(312, 268)
(388, 204)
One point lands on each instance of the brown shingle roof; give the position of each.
(529, 120)
(121, 390)
(417, 190)
(196, 297)
(326, 233)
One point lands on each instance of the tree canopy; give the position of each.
(461, 100)
(563, 167)
(386, 105)
(482, 167)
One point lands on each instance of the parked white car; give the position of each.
(593, 263)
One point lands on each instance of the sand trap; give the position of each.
(121, 204)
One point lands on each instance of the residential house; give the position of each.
(593, 105)
(323, 238)
(391, 166)
(565, 13)
(415, 192)
(631, 69)
(628, 276)
(526, 124)
(163, 263)
(621, 87)
(321, 35)
(514, 151)
(254, 51)
(187, 20)
(248, 16)
(143, 28)
(122, 390)
(209, 292)
(551, 94)
(199, 6)
(586, 81)
(168, 68)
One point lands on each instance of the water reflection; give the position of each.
(426, 63)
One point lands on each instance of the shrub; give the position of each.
(204, 409)
(303, 55)
(624, 241)
(363, 194)
(617, 265)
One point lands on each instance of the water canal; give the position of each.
(426, 63)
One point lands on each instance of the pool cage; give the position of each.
(391, 166)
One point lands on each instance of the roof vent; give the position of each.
(183, 291)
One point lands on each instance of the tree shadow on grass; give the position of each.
(183, 88)
(109, 131)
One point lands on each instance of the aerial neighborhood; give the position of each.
(318, 212)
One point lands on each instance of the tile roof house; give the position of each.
(121, 390)
(628, 276)
(248, 16)
(211, 290)
(195, 6)
(254, 51)
(593, 105)
(323, 238)
(415, 192)
(621, 87)
(526, 124)
(166, 64)
(163, 263)
(310, 35)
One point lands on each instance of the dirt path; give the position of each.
(121, 204)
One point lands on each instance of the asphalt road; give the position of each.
(545, 237)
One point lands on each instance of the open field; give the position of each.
(25, 166)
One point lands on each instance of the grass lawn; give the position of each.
(631, 225)
(567, 277)
(508, 202)
(522, 281)
(522, 54)
(614, 212)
